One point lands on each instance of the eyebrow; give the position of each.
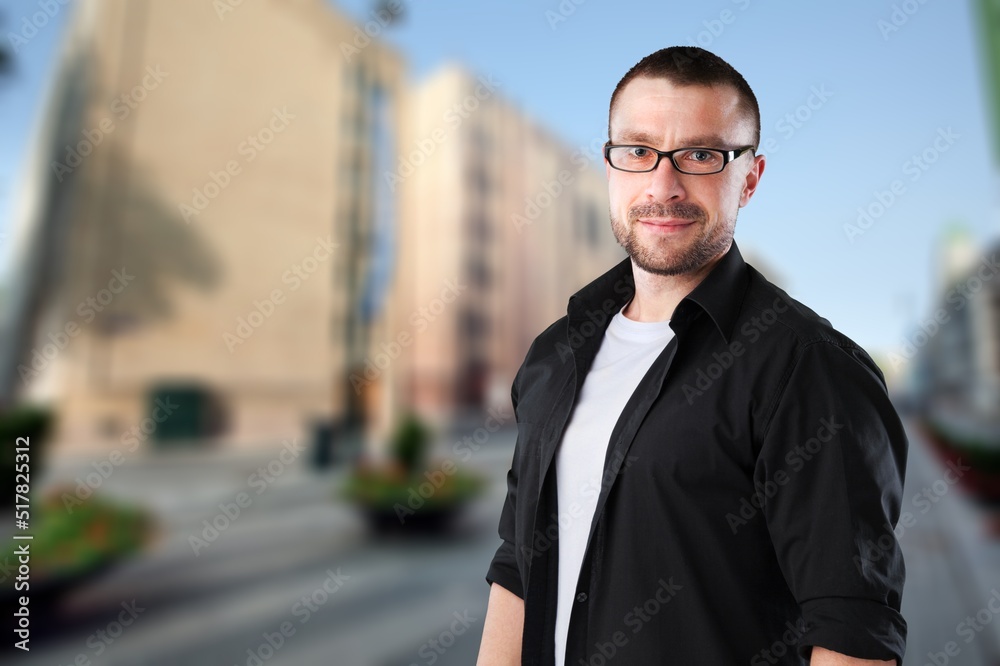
(704, 140)
(633, 135)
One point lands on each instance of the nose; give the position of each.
(665, 182)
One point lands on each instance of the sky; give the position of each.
(879, 96)
(22, 97)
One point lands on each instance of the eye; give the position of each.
(701, 157)
(632, 158)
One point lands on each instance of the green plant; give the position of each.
(32, 421)
(407, 487)
(29, 421)
(410, 442)
(981, 453)
(384, 488)
(68, 542)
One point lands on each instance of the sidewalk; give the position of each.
(952, 565)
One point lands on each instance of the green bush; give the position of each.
(34, 422)
(410, 442)
(982, 454)
(383, 487)
(69, 541)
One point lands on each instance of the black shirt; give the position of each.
(750, 488)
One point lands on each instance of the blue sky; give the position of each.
(890, 96)
(21, 96)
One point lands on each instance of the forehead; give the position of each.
(654, 110)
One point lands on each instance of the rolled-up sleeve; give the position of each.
(503, 569)
(834, 452)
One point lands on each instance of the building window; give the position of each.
(593, 225)
(479, 272)
(473, 325)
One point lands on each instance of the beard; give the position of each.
(664, 255)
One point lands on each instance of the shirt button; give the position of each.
(581, 597)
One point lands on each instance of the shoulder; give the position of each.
(797, 330)
(550, 344)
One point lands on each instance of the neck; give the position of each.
(656, 296)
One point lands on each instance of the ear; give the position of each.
(752, 179)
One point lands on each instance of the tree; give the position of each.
(6, 59)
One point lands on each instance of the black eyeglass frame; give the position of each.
(727, 157)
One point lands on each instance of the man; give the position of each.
(705, 472)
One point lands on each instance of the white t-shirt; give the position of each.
(627, 351)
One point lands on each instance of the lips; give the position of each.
(665, 222)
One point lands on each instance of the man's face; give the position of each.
(669, 222)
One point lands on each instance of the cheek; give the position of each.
(618, 201)
(734, 192)
(621, 195)
(720, 200)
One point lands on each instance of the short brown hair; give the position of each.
(693, 66)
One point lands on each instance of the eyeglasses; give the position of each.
(696, 161)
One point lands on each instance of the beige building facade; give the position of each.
(500, 223)
(240, 223)
(201, 219)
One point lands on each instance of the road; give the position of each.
(297, 558)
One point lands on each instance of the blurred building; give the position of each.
(959, 366)
(200, 222)
(500, 222)
(240, 211)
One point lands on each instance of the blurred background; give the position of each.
(267, 270)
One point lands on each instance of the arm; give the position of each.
(837, 449)
(824, 657)
(501, 645)
(504, 624)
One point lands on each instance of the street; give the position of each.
(297, 580)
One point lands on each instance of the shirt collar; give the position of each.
(719, 294)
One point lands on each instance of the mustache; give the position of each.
(681, 211)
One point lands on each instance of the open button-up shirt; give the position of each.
(751, 487)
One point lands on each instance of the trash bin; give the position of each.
(322, 443)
